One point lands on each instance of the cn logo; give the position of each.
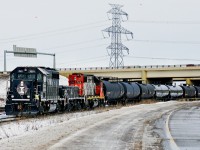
(22, 88)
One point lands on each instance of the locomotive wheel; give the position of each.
(41, 110)
(91, 104)
(101, 103)
(78, 106)
(69, 107)
(59, 109)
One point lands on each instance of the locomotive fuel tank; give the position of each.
(113, 91)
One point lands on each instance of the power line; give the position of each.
(161, 58)
(165, 22)
(90, 61)
(73, 44)
(65, 51)
(50, 34)
(78, 49)
(85, 59)
(53, 31)
(165, 41)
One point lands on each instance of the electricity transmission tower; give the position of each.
(116, 47)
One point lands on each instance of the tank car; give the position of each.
(189, 91)
(197, 91)
(161, 92)
(136, 90)
(113, 91)
(129, 92)
(32, 90)
(175, 92)
(147, 91)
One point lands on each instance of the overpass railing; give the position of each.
(130, 67)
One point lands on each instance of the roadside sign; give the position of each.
(24, 52)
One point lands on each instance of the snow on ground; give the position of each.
(3, 87)
(2, 103)
(54, 131)
(31, 125)
(21, 127)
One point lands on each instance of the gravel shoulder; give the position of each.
(130, 127)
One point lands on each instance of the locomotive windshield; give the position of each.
(23, 76)
(27, 76)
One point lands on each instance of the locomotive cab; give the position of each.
(90, 88)
(31, 89)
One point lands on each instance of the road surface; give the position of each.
(184, 126)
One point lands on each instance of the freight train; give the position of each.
(35, 90)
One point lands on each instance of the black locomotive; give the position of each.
(32, 90)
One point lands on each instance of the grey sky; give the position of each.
(72, 30)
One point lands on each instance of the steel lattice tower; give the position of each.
(116, 46)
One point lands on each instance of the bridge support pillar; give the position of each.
(144, 77)
(188, 81)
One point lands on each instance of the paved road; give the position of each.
(128, 130)
(185, 128)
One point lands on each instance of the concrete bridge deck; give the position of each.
(146, 74)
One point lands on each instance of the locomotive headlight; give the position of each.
(28, 96)
(12, 96)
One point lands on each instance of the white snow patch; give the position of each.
(33, 124)
(2, 103)
(63, 80)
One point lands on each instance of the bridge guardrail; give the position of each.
(131, 67)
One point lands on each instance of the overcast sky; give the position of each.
(72, 29)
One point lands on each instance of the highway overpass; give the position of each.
(145, 74)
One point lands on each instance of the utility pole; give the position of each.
(116, 47)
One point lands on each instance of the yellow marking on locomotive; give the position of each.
(94, 97)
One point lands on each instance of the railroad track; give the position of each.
(4, 118)
(8, 119)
